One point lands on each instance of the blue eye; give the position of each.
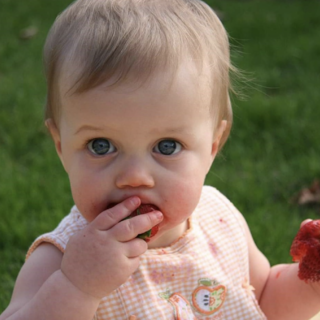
(168, 147)
(100, 146)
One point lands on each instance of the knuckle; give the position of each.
(130, 226)
(141, 246)
(121, 210)
(112, 215)
(137, 247)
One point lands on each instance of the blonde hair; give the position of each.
(115, 39)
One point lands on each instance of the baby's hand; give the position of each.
(101, 257)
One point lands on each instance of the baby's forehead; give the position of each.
(163, 93)
(187, 72)
(163, 103)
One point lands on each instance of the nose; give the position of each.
(134, 173)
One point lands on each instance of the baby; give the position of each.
(138, 107)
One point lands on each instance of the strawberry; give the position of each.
(145, 208)
(305, 249)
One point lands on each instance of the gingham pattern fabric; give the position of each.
(203, 275)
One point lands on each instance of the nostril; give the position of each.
(134, 180)
(128, 184)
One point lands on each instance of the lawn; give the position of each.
(273, 150)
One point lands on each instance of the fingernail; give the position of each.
(158, 215)
(135, 201)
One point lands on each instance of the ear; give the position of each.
(55, 134)
(217, 138)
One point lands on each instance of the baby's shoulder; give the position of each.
(216, 207)
(213, 197)
(60, 236)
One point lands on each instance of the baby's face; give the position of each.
(153, 141)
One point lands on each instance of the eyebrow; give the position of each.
(180, 129)
(87, 128)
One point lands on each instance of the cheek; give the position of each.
(86, 193)
(182, 200)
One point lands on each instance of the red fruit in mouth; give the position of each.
(143, 209)
(305, 249)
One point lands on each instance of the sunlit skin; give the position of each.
(134, 120)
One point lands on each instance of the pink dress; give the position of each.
(202, 275)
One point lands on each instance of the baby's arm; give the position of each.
(97, 260)
(281, 294)
(42, 291)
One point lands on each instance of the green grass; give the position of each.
(273, 149)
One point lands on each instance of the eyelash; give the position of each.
(177, 147)
(109, 145)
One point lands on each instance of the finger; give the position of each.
(130, 228)
(134, 263)
(135, 248)
(110, 217)
(305, 222)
